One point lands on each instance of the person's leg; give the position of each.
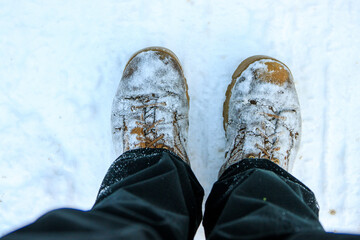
(146, 194)
(256, 197)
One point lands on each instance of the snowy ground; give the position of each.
(61, 62)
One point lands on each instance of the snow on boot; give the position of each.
(261, 113)
(150, 108)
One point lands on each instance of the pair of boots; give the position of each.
(150, 193)
(261, 111)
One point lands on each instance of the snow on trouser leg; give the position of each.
(257, 199)
(146, 194)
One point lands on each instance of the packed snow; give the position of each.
(62, 61)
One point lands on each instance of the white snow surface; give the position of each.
(61, 62)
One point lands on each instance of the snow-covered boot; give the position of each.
(150, 108)
(261, 113)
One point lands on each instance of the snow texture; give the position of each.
(62, 61)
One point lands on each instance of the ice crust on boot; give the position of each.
(262, 114)
(150, 108)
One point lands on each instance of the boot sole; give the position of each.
(166, 52)
(239, 70)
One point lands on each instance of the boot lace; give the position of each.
(146, 131)
(267, 144)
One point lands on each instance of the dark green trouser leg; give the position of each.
(146, 194)
(256, 199)
(152, 194)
